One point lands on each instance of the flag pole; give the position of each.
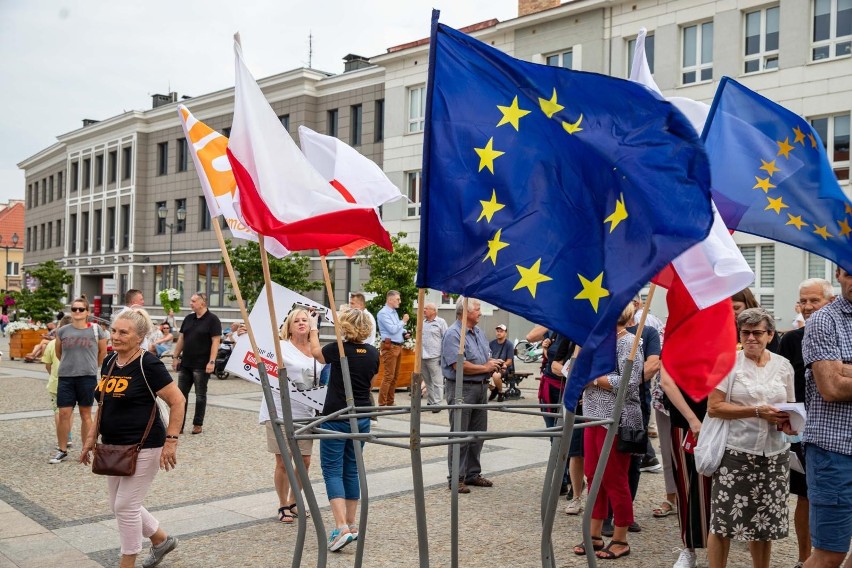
(457, 398)
(353, 422)
(414, 444)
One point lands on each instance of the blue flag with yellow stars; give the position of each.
(553, 194)
(772, 177)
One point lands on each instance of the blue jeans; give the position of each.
(337, 459)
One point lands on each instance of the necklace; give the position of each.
(126, 363)
(621, 333)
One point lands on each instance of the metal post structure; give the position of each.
(162, 213)
(15, 240)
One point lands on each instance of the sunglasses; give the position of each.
(757, 333)
(78, 309)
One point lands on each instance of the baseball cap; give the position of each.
(502, 326)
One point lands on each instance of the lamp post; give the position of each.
(15, 240)
(162, 213)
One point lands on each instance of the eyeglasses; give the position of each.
(78, 309)
(756, 333)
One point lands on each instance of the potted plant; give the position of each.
(23, 337)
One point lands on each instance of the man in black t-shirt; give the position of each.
(502, 349)
(195, 355)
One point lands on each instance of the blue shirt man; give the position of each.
(392, 332)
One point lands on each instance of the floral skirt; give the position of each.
(748, 500)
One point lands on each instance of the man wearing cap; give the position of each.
(504, 351)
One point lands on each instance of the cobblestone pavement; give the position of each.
(221, 504)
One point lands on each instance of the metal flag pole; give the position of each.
(415, 440)
(458, 398)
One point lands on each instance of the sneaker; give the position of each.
(337, 540)
(575, 507)
(634, 527)
(159, 552)
(652, 465)
(59, 457)
(353, 530)
(686, 559)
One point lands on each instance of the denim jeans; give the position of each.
(337, 459)
(198, 378)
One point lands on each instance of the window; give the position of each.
(761, 39)
(416, 108)
(355, 125)
(98, 229)
(99, 170)
(161, 223)
(412, 183)
(761, 259)
(834, 132)
(331, 123)
(209, 281)
(126, 162)
(285, 121)
(562, 59)
(87, 173)
(162, 158)
(29, 238)
(112, 168)
(50, 234)
(72, 234)
(819, 267)
(75, 170)
(59, 185)
(111, 228)
(226, 132)
(180, 224)
(44, 191)
(204, 218)
(125, 226)
(697, 64)
(35, 238)
(50, 190)
(84, 232)
(183, 155)
(35, 194)
(649, 53)
(379, 130)
(122, 284)
(42, 239)
(832, 29)
(12, 268)
(59, 232)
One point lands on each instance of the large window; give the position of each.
(50, 189)
(161, 223)
(761, 259)
(50, 234)
(125, 227)
(75, 174)
(412, 183)
(209, 279)
(183, 155)
(819, 267)
(697, 62)
(832, 31)
(98, 227)
(126, 162)
(59, 184)
(834, 132)
(204, 217)
(99, 170)
(761, 39)
(87, 173)
(111, 228)
(180, 224)
(379, 130)
(331, 123)
(356, 125)
(72, 233)
(162, 158)
(561, 59)
(59, 232)
(416, 108)
(649, 53)
(84, 232)
(112, 166)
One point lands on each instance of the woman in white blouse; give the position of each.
(748, 499)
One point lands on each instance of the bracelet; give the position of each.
(757, 411)
(170, 437)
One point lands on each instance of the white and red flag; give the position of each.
(700, 338)
(281, 195)
(209, 152)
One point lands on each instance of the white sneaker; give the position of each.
(686, 560)
(574, 507)
(59, 457)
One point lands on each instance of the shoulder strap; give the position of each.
(101, 402)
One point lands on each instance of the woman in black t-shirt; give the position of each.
(129, 379)
(337, 457)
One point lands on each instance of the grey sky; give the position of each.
(63, 61)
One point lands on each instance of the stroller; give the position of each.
(222, 356)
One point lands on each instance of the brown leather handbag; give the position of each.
(115, 459)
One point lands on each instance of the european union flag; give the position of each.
(552, 193)
(771, 175)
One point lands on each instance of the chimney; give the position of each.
(526, 7)
(160, 100)
(353, 62)
(89, 122)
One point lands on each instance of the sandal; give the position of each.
(665, 509)
(295, 514)
(580, 549)
(607, 554)
(285, 515)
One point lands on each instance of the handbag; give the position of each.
(117, 459)
(631, 441)
(712, 440)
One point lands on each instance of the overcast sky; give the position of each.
(63, 61)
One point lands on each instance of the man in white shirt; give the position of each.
(433, 334)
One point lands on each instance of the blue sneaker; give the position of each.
(337, 540)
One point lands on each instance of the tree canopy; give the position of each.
(392, 271)
(42, 303)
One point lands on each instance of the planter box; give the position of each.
(403, 375)
(24, 341)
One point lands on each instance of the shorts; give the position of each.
(306, 447)
(830, 497)
(575, 450)
(76, 391)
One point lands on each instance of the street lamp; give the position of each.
(15, 240)
(162, 213)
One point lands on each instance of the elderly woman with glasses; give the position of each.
(748, 498)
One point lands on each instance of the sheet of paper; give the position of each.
(797, 413)
(795, 464)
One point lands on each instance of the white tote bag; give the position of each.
(713, 439)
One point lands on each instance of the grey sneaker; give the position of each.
(159, 552)
(59, 457)
(575, 506)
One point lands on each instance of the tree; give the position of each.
(392, 271)
(42, 304)
(292, 271)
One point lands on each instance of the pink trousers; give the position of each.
(125, 499)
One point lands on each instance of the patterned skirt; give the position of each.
(748, 500)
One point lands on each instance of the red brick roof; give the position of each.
(11, 222)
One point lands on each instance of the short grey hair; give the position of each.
(753, 316)
(430, 306)
(827, 288)
(460, 304)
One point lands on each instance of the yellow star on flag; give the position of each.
(490, 207)
(512, 114)
(592, 291)
(845, 229)
(776, 205)
(550, 107)
(800, 136)
(796, 221)
(495, 246)
(531, 277)
(769, 167)
(823, 232)
(784, 147)
(763, 183)
(572, 127)
(487, 155)
(619, 215)
(848, 208)
(812, 138)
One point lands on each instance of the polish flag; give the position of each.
(209, 153)
(700, 338)
(357, 178)
(281, 195)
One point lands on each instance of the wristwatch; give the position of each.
(211, 362)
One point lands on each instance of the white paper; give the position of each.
(797, 413)
(795, 464)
